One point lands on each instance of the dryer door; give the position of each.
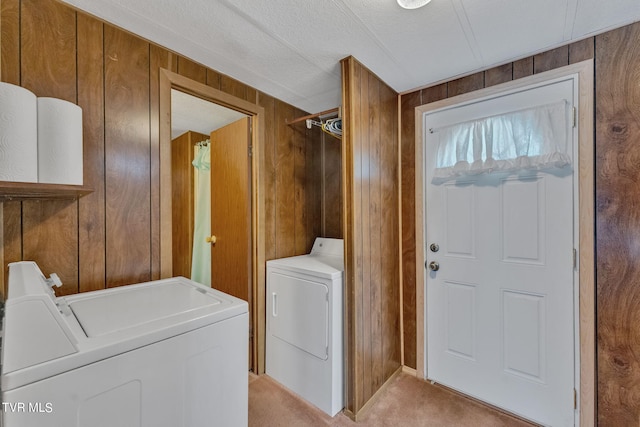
(299, 313)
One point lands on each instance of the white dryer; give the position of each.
(164, 353)
(304, 348)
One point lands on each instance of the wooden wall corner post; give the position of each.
(350, 388)
(400, 249)
(371, 223)
(259, 237)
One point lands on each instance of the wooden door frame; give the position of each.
(170, 80)
(585, 218)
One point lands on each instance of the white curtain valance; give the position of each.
(532, 138)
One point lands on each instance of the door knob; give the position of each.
(434, 266)
(211, 239)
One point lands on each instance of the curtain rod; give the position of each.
(310, 116)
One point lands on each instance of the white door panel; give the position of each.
(500, 315)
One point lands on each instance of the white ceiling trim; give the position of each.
(372, 35)
(468, 31)
(570, 18)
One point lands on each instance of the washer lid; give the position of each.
(105, 313)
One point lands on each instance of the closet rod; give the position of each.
(310, 116)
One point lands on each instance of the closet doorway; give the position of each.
(209, 192)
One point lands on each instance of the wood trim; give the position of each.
(158, 58)
(586, 256)
(169, 80)
(33, 190)
(373, 399)
(584, 69)
(407, 154)
(335, 110)
(257, 235)
(166, 250)
(400, 257)
(409, 370)
(351, 331)
(421, 363)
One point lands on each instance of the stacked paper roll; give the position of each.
(59, 142)
(18, 134)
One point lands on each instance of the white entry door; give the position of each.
(500, 298)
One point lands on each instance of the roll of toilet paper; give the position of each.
(59, 142)
(18, 134)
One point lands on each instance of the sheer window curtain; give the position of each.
(532, 138)
(201, 254)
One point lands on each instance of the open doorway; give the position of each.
(228, 128)
(195, 123)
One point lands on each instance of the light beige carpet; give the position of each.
(406, 402)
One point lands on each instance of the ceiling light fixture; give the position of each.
(412, 4)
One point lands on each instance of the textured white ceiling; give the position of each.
(291, 49)
(192, 113)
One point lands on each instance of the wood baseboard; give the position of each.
(410, 371)
(367, 406)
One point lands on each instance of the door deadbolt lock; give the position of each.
(434, 247)
(433, 266)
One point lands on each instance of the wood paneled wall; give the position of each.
(331, 186)
(111, 236)
(617, 170)
(617, 95)
(371, 194)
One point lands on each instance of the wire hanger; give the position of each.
(331, 126)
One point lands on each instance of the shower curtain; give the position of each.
(201, 258)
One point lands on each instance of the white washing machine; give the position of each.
(163, 353)
(304, 348)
